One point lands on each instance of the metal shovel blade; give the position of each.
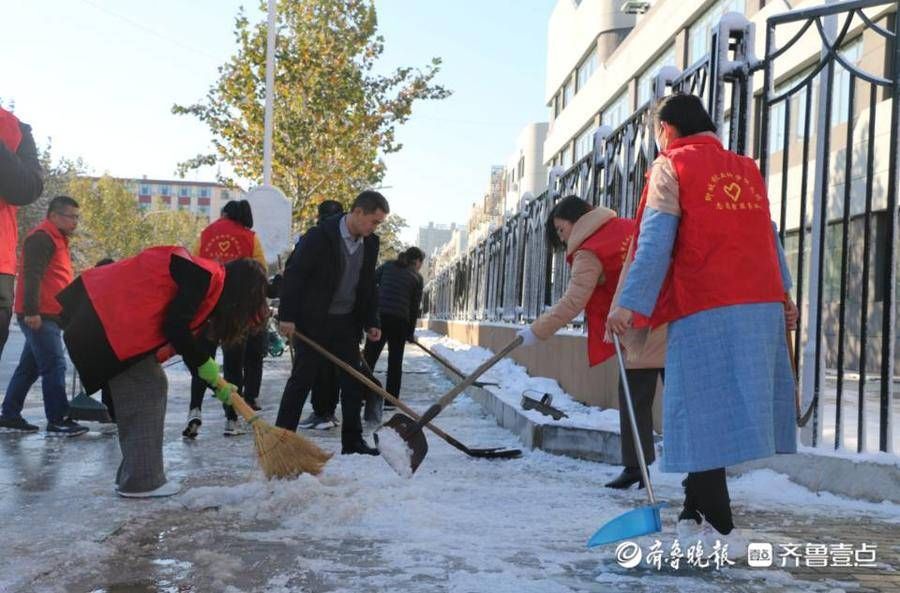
(496, 453)
(401, 444)
(631, 524)
(85, 408)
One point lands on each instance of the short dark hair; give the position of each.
(59, 202)
(240, 212)
(686, 113)
(410, 255)
(570, 208)
(370, 201)
(329, 208)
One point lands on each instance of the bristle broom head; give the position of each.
(285, 454)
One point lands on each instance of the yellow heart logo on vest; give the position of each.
(733, 191)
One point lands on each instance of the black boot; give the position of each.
(358, 447)
(629, 477)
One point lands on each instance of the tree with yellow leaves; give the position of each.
(333, 116)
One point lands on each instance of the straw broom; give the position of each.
(282, 453)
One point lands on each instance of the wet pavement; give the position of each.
(459, 525)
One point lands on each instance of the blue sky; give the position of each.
(99, 78)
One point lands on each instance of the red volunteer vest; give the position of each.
(610, 244)
(131, 296)
(10, 137)
(57, 276)
(225, 241)
(724, 253)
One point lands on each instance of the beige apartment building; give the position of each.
(205, 199)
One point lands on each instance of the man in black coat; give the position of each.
(329, 295)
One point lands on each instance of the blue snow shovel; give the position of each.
(642, 520)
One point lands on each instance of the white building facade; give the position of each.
(526, 173)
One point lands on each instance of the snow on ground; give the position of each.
(513, 380)
(760, 487)
(458, 525)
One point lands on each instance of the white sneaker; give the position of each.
(325, 424)
(233, 428)
(170, 488)
(194, 422)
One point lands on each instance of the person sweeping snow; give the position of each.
(708, 263)
(117, 317)
(596, 243)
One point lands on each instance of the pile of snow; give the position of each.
(514, 381)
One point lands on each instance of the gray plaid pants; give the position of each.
(139, 397)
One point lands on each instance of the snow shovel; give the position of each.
(85, 408)
(486, 453)
(400, 429)
(448, 365)
(642, 520)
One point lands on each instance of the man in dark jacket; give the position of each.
(20, 185)
(330, 296)
(325, 389)
(399, 297)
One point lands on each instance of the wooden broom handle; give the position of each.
(238, 403)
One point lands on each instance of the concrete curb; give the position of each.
(581, 443)
(857, 479)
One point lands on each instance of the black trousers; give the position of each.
(642, 383)
(244, 364)
(706, 494)
(325, 391)
(394, 332)
(341, 339)
(232, 369)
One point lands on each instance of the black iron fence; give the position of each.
(825, 131)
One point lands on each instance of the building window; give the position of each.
(587, 68)
(225, 195)
(566, 158)
(700, 32)
(616, 112)
(203, 211)
(184, 191)
(645, 81)
(584, 143)
(797, 106)
(165, 190)
(568, 92)
(776, 128)
(204, 192)
(840, 97)
(145, 189)
(521, 167)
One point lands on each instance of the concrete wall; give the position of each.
(563, 358)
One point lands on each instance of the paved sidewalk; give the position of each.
(458, 525)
